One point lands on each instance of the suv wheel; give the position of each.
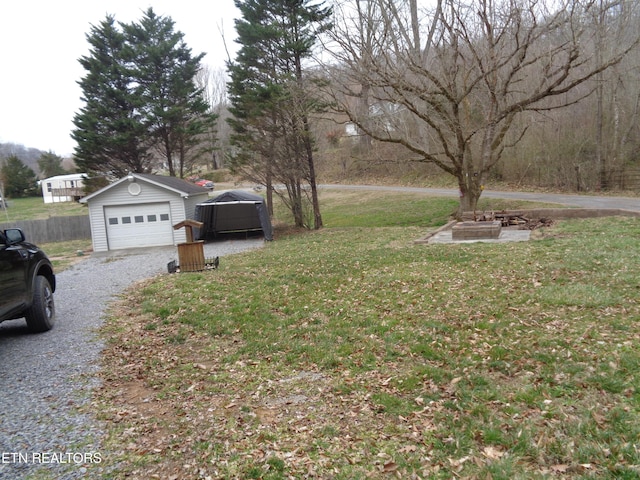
(41, 315)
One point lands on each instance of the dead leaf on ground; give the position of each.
(492, 453)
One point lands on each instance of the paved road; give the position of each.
(583, 201)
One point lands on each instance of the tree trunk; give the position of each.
(169, 156)
(600, 155)
(317, 218)
(363, 119)
(296, 204)
(181, 158)
(600, 159)
(269, 166)
(269, 187)
(470, 191)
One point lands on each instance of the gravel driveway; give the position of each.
(44, 378)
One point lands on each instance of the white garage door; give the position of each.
(144, 225)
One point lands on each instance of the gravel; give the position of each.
(46, 379)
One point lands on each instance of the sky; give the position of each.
(42, 40)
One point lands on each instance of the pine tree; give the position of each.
(270, 100)
(50, 165)
(109, 131)
(18, 179)
(172, 106)
(140, 99)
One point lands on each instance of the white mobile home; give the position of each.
(63, 188)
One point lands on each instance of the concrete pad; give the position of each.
(506, 235)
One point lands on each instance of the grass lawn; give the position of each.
(34, 208)
(62, 254)
(65, 254)
(351, 353)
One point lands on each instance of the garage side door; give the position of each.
(145, 225)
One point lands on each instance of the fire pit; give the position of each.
(476, 230)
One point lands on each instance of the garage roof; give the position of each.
(175, 184)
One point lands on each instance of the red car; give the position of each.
(208, 184)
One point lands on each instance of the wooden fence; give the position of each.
(54, 229)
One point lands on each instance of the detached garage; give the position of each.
(140, 210)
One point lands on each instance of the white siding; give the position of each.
(119, 195)
(98, 228)
(123, 193)
(191, 202)
(190, 209)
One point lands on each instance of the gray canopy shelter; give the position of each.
(235, 211)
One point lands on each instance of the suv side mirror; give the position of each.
(14, 235)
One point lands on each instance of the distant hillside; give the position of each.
(30, 156)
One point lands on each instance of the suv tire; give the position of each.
(41, 315)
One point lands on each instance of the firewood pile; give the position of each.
(509, 219)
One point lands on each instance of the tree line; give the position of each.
(465, 87)
(18, 180)
(460, 85)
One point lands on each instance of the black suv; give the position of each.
(27, 282)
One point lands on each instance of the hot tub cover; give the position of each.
(233, 211)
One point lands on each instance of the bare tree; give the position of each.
(449, 83)
(213, 82)
(360, 18)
